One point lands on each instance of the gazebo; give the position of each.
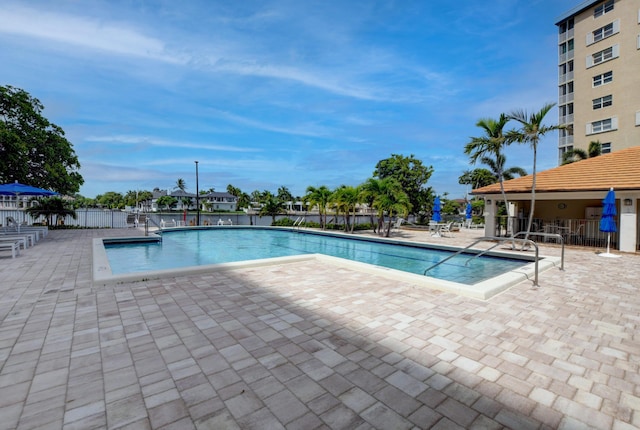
(571, 195)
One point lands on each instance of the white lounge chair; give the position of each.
(447, 229)
(13, 246)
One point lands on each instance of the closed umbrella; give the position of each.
(607, 221)
(467, 214)
(436, 210)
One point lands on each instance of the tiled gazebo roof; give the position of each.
(620, 170)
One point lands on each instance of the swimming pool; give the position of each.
(186, 248)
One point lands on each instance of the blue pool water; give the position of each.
(184, 248)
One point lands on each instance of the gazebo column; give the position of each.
(489, 216)
(627, 232)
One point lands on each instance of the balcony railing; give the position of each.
(563, 37)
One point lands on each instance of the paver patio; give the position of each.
(310, 345)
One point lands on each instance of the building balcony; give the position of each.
(563, 37)
(566, 119)
(563, 58)
(565, 77)
(566, 140)
(567, 98)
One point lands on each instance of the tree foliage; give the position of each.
(477, 178)
(272, 206)
(577, 154)
(33, 150)
(51, 208)
(412, 176)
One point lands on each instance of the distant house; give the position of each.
(219, 201)
(571, 196)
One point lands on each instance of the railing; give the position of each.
(297, 224)
(146, 225)
(580, 232)
(547, 235)
(492, 239)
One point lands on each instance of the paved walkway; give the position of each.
(311, 346)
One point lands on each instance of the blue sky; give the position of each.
(279, 93)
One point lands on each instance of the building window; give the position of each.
(603, 8)
(603, 32)
(605, 148)
(602, 102)
(602, 125)
(605, 55)
(603, 78)
(638, 118)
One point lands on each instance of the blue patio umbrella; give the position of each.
(18, 189)
(607, 220)
(436, 210)
(467, 213)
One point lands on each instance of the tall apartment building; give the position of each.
(599, 75)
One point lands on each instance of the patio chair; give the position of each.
(447, 229)
(576, 236)
(396, 225)
(131, 220)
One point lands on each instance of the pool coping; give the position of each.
(102, 274)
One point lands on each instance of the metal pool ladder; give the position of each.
(500, 241)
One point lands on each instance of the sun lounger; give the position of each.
(13, 246)
(31, 238)
(22, 240)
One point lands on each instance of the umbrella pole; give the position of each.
(608, 241)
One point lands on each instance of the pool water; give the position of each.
(185, 248)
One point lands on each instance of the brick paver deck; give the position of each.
(311, 346)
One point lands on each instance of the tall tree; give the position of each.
(244, 200)
(477, 178)
(488, 148)
(284, 195)
(272, 206)
(412, 176)
(319, 196)
(180, 185)
(531, 131)
(392, 200)
(33, 150)
(346, 198)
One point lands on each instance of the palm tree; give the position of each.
(180, 185)
(368, 192)
(271, 207)
(577, 154)
(319, 197)
(346, 199)
(488, 148)
(51, 208)
(497, 165)
(391, 199)
(531, 131)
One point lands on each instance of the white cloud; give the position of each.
(154, 141)
(83, 32)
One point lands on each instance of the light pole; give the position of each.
(197, 198)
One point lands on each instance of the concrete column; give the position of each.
(628, 233)
(490, 216)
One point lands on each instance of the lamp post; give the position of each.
(197, 197)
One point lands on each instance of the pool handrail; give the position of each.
(500, 241)
(553, 235)
(146, 225)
